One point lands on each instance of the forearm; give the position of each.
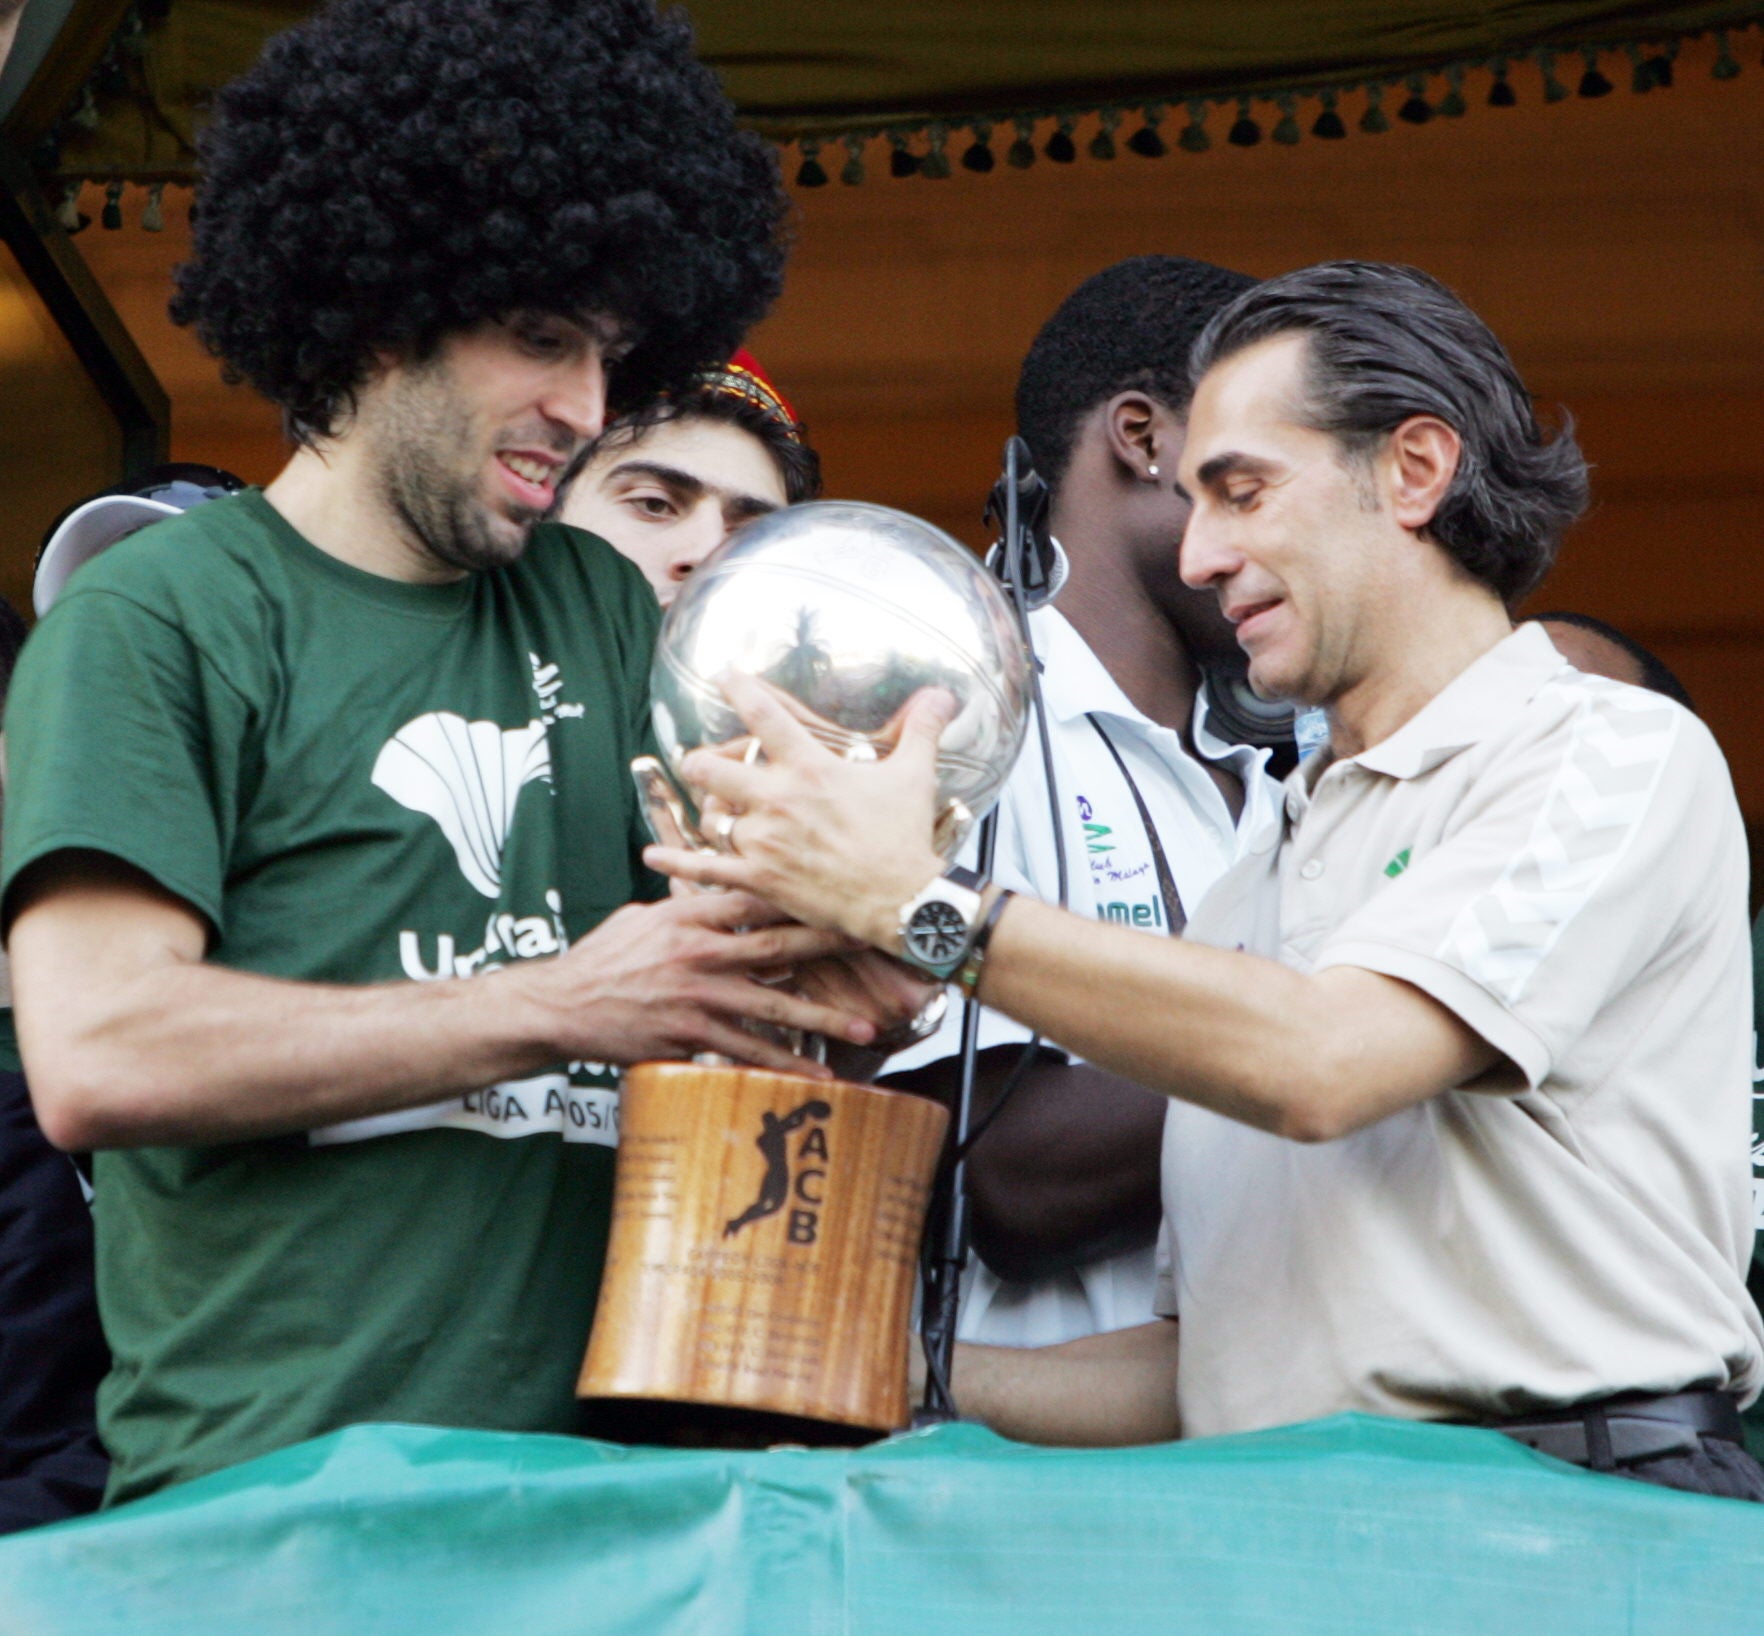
(198, 1053)
(1102, 1391)
(1303, 1055)
(130, 1037)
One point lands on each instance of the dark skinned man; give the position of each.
(1150, 789)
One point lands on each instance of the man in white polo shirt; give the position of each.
(1155, 797)
(1461, 1133)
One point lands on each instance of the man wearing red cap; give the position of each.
(667, 487)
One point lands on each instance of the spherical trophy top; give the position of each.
(850, 609)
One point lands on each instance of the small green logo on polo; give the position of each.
(1397, 864)
(1093, 837)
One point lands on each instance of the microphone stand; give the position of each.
(1025, 575)
(941, 1288)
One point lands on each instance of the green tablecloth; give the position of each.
(1348, 1525)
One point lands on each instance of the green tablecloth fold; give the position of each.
(1344, 1525)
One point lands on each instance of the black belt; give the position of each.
(1622, 1430)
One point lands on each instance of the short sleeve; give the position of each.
(121, 738)
(1576, 858)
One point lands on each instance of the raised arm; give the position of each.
(130, 1038)
(1309, 1056)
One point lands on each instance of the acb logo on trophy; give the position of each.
(766, 1226)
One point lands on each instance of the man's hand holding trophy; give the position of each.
(766, 1226)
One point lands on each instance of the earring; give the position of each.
(1152, 472)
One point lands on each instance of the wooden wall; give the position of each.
(1617, 245)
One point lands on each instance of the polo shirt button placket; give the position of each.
(1312, 869)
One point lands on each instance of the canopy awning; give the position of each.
(121, 95)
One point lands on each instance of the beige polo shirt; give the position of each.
(1558, 860)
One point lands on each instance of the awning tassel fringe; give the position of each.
(1650, 69)
(921, 149)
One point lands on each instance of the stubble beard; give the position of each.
(431, 475)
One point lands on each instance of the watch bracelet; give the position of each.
(967, 976)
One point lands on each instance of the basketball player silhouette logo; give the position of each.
(772, 1142)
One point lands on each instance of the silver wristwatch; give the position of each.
(937, 927)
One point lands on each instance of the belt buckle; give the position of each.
(1632, 1438)
(1638, 1437)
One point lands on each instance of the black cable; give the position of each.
(938, 1388)
(940, 1295)
(1013, 1081)
(1016, 588)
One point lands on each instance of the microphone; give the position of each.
(1034, 567)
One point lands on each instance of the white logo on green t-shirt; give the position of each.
(547, 685)
(506, 938)
(467, 776)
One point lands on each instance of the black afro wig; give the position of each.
(389, 172)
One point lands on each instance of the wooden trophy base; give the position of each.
(661, 1423)
(764, 1250)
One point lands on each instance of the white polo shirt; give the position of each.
(1112, 875)
(1559, 860)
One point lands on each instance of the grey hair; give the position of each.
(1388, 343)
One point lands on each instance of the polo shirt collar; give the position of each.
(1476, 703)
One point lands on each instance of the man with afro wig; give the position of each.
(321, 868)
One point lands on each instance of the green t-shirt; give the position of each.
(354, 780)
(10, 1061)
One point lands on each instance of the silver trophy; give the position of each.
(848, 610)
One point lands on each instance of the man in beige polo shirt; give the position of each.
(1463, 1134)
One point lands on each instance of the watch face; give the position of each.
(938, 933)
